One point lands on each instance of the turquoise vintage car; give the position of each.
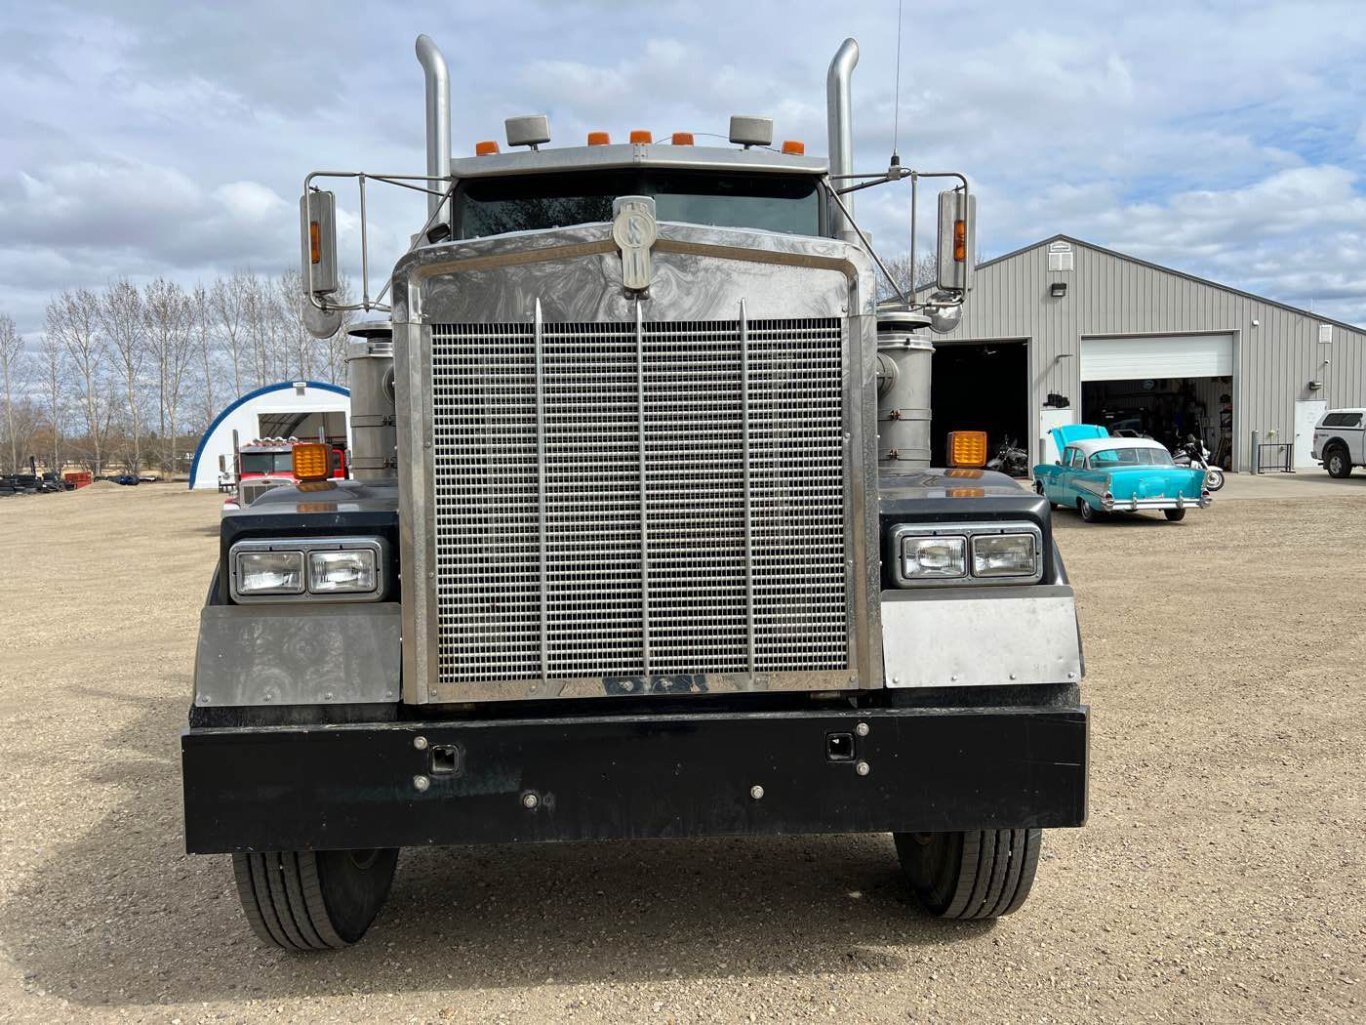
(1099, 474)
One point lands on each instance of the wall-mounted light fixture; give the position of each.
(1057, 289)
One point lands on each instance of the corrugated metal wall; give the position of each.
(1108, 294)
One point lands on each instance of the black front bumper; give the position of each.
(609, 777)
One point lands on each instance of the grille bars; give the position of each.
(749, 500)
(538, 327)
(644, 493)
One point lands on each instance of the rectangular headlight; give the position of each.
(270, 573)
(933, 558)
(342, 572)
(325, 569)
(1004, 555)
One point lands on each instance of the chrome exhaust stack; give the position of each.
(438, 128)
(840, 122)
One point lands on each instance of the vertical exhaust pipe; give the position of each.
(840, 121)
(438, 126)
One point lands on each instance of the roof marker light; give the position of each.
(640, 137)
(682, 139)
(794, 147)
(486, 148)
(599, 139)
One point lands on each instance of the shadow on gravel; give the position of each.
(123, 916)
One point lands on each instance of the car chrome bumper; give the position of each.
(1143, 504)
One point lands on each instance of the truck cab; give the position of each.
(642, 542)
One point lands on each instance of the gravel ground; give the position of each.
(1220, 878)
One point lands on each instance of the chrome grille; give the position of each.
(639, 498)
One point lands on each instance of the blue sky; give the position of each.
(1224, 139)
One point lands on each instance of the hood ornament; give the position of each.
(634, 230)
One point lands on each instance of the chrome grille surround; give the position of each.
(630, 500)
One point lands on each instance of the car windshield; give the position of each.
(1112, 457)
(787, 203)
(267, 462)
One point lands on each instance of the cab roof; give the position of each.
(588, 158)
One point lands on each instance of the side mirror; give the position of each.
(318, 242)
(957, 239)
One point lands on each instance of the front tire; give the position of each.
(1338, 463)
(313, 900)
(1214, 478)
(1175, 515)
(978, 874)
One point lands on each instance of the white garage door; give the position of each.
(1155, 356)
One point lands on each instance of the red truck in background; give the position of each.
(266, 463)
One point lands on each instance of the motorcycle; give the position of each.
(1194, 454)
(1010, 460)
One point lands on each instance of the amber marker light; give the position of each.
(682, 139)
(312, 461)
(960, 241)
(486, 148)
(599, 139)
(315, 242)
(794, 147)
(640, 137)
(967, 448)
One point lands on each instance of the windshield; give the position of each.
(268, 462)
(1112, 457)
(770, 202)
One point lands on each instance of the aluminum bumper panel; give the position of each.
(989, 637)
(297, 654)
(633, 776)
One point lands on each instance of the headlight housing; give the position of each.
(954, 554)
(308, 569)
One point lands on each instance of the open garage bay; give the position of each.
(1222, 877)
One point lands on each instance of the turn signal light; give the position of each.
(639, 137)
(682, 138)
(315, 242)
(486, 148)
(312, 461)
(960, 241)
(599, 139)
(794, 147)
(967, 448)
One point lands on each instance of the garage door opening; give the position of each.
(1164, 387)
(980, 386)
(1166, 409)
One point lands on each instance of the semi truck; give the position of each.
(642, 541)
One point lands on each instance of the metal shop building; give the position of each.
(1064, 331)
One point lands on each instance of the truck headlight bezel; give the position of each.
(309, 588)
(974, 573)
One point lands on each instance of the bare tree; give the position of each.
(124, 322)
(52, 373)
(171, 334)
(73, 319)
(201, 311)
(229, 298)
(900, 267)
(14, 367)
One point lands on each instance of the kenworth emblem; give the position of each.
(633, 228)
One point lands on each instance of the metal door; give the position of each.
(1307, 413)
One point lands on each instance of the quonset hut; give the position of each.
(288, 409)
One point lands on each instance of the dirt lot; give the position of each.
(1222, 877)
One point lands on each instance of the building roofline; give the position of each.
(1357, 328)
(242, 400)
